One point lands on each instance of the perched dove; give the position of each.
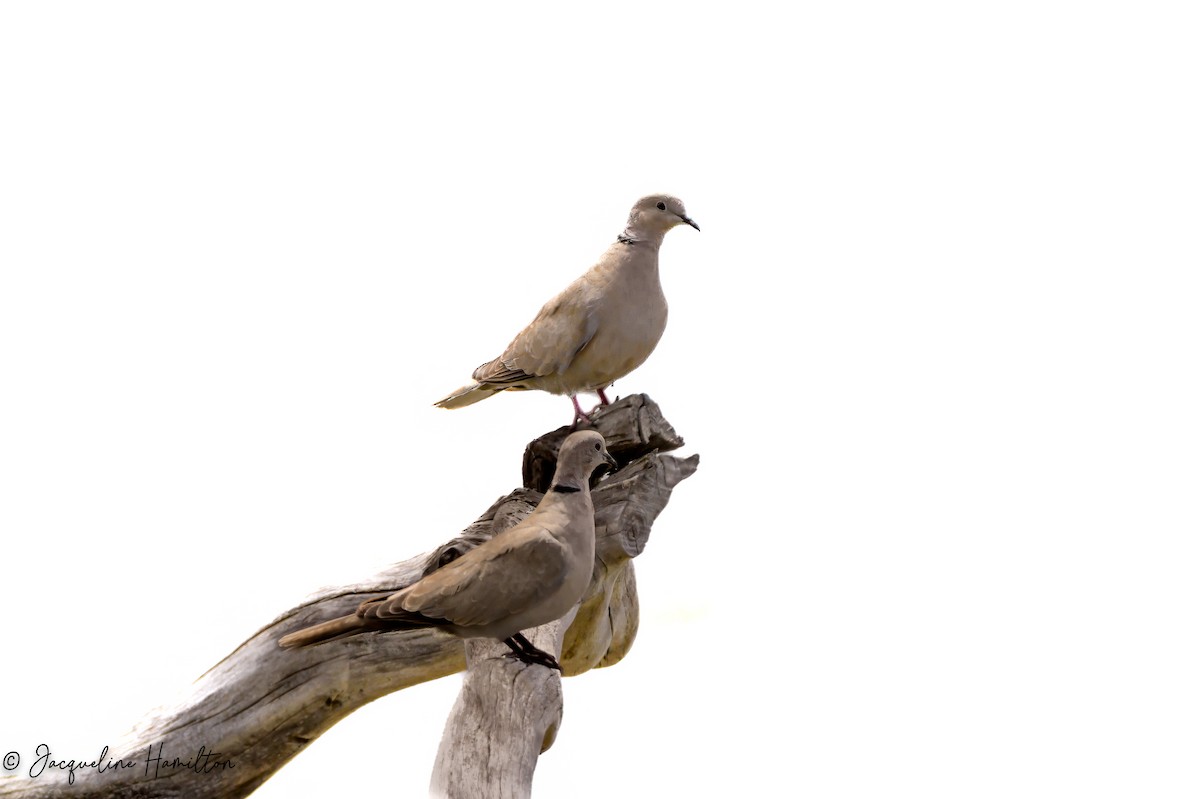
(526, 576)
(599, 329)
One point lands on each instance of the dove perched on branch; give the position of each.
(524, 577)
(599, 329)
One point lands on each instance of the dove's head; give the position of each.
(658, 213)
(581, 454)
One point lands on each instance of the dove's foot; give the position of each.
(581, 418)
(524, 650)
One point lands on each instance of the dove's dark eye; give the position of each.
(662, 206)
(597, 446)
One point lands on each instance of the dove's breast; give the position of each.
(630, 319)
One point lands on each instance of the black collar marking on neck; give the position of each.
(626, 239)
(560, 488)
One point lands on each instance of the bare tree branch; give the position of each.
(258, 707)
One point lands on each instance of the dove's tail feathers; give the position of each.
(467, 395)
(324, 631)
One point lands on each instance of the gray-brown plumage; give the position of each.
(599, 329)
(526, 576)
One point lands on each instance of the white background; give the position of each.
(936, 345)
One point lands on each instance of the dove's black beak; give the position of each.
(689, 221)
(611, 462)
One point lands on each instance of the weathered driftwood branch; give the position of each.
(257, 708)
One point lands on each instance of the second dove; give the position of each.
(524, 577)
(597, 330)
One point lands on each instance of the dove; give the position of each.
(597, 330)
(525, 576)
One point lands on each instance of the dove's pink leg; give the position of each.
(603, 401)
(580, 416)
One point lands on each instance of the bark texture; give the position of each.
(258, 707)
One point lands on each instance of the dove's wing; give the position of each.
(550, 342)
(488, 584)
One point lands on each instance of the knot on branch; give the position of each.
(632, 427)
(626, 502)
